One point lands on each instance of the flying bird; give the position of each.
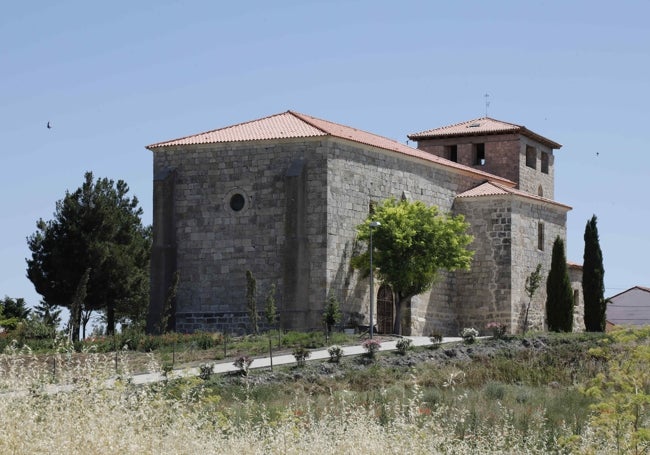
(49, 126)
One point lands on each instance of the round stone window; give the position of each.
(237, 202)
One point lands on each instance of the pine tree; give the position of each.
(97, 228)
(593, 280)
(559, 295)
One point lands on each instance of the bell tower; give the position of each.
(505, 149)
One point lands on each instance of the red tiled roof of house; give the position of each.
(292, 124)
(492, 188)
(481, 127)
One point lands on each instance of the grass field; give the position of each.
(546, 394)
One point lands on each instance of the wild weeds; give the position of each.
(94, 415)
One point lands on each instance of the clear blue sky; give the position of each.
(113, 77)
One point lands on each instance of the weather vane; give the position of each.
(487, 103)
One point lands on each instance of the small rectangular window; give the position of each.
(540, 236)
(576, 297)
(452, 153)
(479, 154)
(371, 207)
(545, 162)
(531, 157)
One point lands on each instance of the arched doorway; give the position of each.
(385, 309)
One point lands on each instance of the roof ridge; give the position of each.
(301, 117)
(341, 125)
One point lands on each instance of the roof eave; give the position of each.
(521, 130)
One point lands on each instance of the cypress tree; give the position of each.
(593, 280)
(559, 295)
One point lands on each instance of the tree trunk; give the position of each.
(397, 327)
(110, 319)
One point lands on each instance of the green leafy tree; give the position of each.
(532, 284)
(251, 301)
(332, 313)
(14, 308)
(593, 280)
(412, 243)
(48, 314)
(97, 228)
(559, 295)
(621, 414)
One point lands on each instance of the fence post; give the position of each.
(271, 352)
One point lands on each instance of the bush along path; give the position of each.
(284, 359)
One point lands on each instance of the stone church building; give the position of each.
(281, 196)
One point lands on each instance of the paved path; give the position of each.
(284, 359)
(227, 366)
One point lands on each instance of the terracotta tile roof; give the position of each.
(493, 188)
(292, 124)
(574, 265)
(481, 127)
(284, 125)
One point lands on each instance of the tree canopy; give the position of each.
(412, 243)
(96, 240)
(593, 280)
(13, 311)
(559, 294)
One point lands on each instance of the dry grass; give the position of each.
(399, 415)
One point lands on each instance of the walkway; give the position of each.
(284, 359)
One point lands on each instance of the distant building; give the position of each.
(281, 196)
(631, 307)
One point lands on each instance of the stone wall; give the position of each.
(288, 209)
(527, 218)
(359, 176)
(575, 276)
(483, 293)
(217, 244)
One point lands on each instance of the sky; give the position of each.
(113, 77)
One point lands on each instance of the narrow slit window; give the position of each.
(540, 236)
(531, 157)
(479, 154)
(452, 153)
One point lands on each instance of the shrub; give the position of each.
(301, 354)
(436, 339)
(243, 363)
(335, 352)
(498, 329)
(371, 347)
(469, 334)
(206, 371)
(403, 345)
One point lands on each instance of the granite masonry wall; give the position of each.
(276, 229)
(287, 210)
(483, 293)
(529, 217)
(359, 176)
